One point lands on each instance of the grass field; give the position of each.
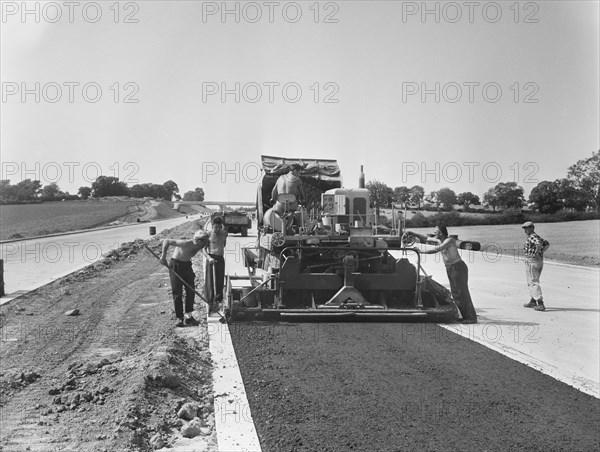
(28, 220)
(576, 242)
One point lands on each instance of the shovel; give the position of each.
(222, 319)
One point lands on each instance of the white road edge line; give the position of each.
(233, 419)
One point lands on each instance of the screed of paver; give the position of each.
(233, 419)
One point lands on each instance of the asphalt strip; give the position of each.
(476, 333)
(233, 419)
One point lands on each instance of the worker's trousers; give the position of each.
(458, 275)
(533, 270)
(219, 276)
(183, 269)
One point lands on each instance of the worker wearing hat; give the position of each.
(534, 249)
(181, 264)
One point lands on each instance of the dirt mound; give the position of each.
(114, 377)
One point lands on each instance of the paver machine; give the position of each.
(326, 256)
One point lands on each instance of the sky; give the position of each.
(461, 95)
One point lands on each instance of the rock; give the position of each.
(54, 391)
(165, 378)
(205, 431)
(193, 429)
(157, 442)
(103, 363)
(188, 411)
(72, 312)
(29, 377)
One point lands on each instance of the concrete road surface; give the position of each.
(31, 263)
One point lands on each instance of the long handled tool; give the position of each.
(222, 319)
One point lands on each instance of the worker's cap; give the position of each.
(201, 234)
(527, 224)
(217, 220)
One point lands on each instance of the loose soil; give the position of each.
(111, 378)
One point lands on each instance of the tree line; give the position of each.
(32, 191)
(578, 191)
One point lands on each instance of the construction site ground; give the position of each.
(115, 377)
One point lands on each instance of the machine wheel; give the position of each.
(244, 232)
(277, 239)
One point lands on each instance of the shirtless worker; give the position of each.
(181, 264)
(456, 269)
(216, 255)
(289, 183)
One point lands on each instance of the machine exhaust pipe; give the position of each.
(361, 178)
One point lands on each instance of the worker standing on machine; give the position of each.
(289, 183)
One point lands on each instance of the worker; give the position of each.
(456, 269)
(534, 250)
(216, 253)
(181, 264)
(289, 183)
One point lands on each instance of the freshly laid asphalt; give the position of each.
(392, 387)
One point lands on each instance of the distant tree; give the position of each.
(490, 198)
(51, 192)
(27, 190)
(196, 195)
(381, 195)
(446, 197)
(508, 195)
(467, 198)
(401, 195)
(139, 190)
(417, 193)
(7, 191)
(84, 192)
(109, 186)
(585, 175)
(170, 188)
(546, 198)
(571, 196)
(432, 198)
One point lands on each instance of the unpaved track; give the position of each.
(380, 387)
